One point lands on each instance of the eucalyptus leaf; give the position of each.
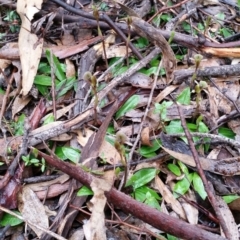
(174, 169)
(58, 71)
(184, 96)
(130, 104)
(71, 154)
(11, 220)
(198, 186)
(182, 186)
(43, 80)
(142, 177)
(230, 198)
(147, 151)
(84, 191)
(226, 132)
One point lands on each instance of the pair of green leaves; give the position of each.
(44, 80)
(183, 185)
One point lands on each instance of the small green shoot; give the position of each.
(32, 161)
(96, 15)
(18, 126)
(13, 20)
(120, 140)
(94, 84)
(148, 196)
(198, 89)
(207, 24)
(197, 59)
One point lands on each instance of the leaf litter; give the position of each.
(120, 133)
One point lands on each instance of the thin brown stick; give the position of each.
(210, 193)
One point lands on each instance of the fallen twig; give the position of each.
(149, 215)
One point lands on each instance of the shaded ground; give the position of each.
(119, 120)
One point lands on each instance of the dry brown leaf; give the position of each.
(19, 103)
(30, 47)
(70, 68)
(77, 235)
(117, 51)
(169, 198)
(234, 125)
(222, 52)
(60, 112)
(10, 51)
(108, 41)
(190, 211)
(230, 90)
(228, 218)
(43, 185)
(165, 92)
(107, 152)
(145, 137)
(212, 102)
(140, 80)
(4, 63)
(62, 137)
(66, 51)
(32, 210)
(95, 227)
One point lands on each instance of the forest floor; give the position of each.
(119, 119)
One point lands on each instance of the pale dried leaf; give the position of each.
(117, 51)
(62, 138)
(19, 103)
(145, 137)
(70, 68)
(107, 151)
(60, 112)
(140, 80)
(4, 63)
(169, 198)
(228, 218)
(32, 210)
(95, 227)
(77, 235)
(43, 185)
(190, 211)
(164, 93)
(30, 47)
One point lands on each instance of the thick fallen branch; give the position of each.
(221, 71)
(147, 214)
